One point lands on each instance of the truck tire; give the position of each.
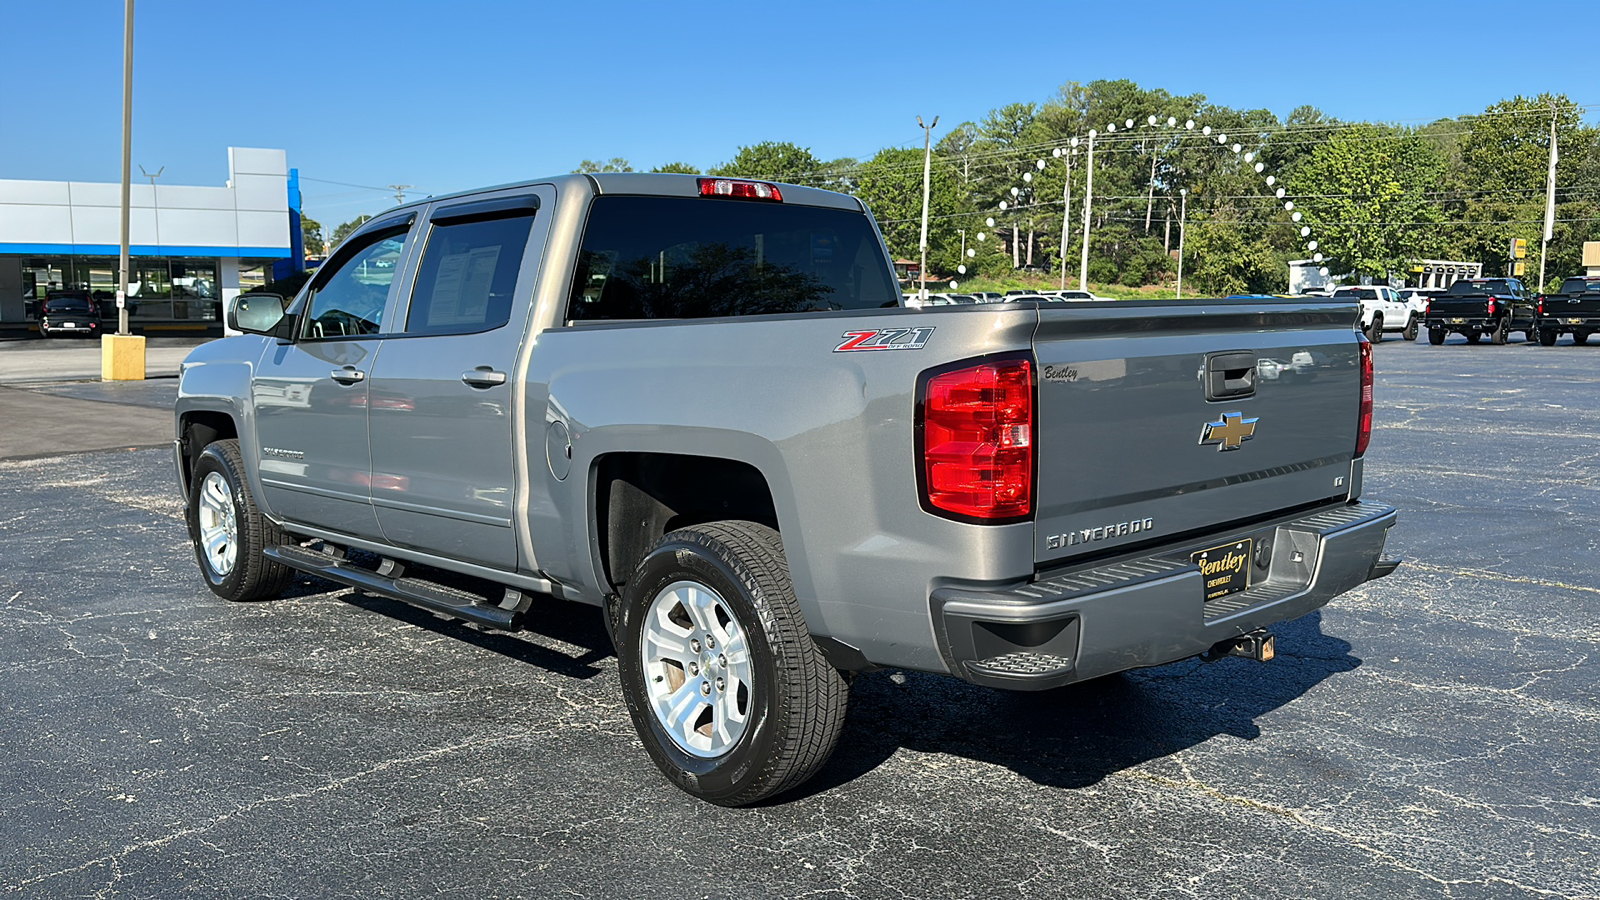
(1412, 327)
(1547, 337)
(732, 699)
(1375, 329)
(1472, 336)
(1436, 336)
(1580, 337)
(228, 530)
(1501, 333)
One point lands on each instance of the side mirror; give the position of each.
(258, 314)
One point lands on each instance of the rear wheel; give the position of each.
(1580, 337)
(229, 531)
(1436, 336)
(1501, 333)
(1473, 336)
(730, 695)
(1412, 327)
(1547, 337)
(1375, 329)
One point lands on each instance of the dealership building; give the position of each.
(191, 248)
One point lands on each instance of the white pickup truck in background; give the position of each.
(1384, 309)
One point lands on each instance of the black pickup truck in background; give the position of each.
(1574, 310)
(1474, 307)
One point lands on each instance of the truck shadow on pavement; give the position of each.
(1075, 736)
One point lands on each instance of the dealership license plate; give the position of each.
(1226, 569)
(68, 326)
(1574, 321)
(1458, 321)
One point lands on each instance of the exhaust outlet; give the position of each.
(1259, 645)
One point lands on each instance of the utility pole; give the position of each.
(127, 164)
(1183, 214)
(1150, 202)
(927, 174)
(1088, 201)
(1549, 199)
(1066, 209)
(400, 192)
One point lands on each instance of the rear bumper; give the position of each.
(1567, 324)
(1086, 622)
(1461, 323)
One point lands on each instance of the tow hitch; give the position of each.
(1258, 645)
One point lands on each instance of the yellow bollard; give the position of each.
(121, 357)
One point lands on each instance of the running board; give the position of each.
(436, 598)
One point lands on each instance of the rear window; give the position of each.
(1359, 293)
(692, 257)
(1492, 286)
(1579, 285)
(67, 304)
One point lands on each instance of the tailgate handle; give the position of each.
(1230, 375)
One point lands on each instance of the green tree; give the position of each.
(679, 168)
(347, 228)
(1364, 196)
(614, 164)
(311, 235)
(891, 185)
(775, 161)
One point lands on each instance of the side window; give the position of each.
(468, 273)
(350, 300)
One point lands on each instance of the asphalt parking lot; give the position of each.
(1433, 734)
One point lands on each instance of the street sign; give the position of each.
(1519, 249)
(122, 300)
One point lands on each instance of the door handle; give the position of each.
(483, 376)
(347, 375)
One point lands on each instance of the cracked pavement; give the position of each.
(1432, 734)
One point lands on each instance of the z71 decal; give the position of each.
(886, 339)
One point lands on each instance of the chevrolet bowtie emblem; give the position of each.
(1230, 433)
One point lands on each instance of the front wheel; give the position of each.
(1412, 327)
(731, 697)
(1436, 336)
(229, 531)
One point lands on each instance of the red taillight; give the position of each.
(1491, 306)
(745, 190)
(1541, 306)
(977, 441)
(1364, 426)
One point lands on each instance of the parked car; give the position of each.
(1574, 310)
(1475, 307)
(69, 312)
(1416, 301)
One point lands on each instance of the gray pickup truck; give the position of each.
(701, 405)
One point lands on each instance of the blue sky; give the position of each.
(455, 95)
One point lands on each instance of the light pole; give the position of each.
(1183, 215)
(127, 163)
(1088, 200)
(927, 174)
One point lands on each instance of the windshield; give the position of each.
(684, 258)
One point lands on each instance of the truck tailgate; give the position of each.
(1132, 446)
